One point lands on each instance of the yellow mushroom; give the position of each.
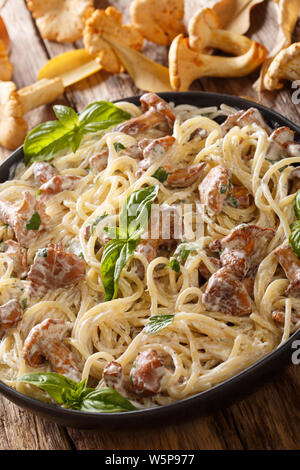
(14, 104)
(285, 66)
(109, 23)
(61, 20)
(6, 68)
(187, 65)
(205, 31)
(159, 21)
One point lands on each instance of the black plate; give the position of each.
(205, 401)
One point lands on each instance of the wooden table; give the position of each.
(266, 419)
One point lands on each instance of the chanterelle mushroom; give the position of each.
(109, 22)
(205, 31)
(186, 65)
(291, 266)
(159, 21)
(45, 341)
(14, 104)
(13, 127)
(6, 68)
(155, 111)
(61, 20)
(285, 66)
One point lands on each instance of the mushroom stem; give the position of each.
(187, 65)
(42, 92)
(205, 30)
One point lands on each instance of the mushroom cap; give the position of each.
(13, 127)
(61, 20)
(109, 22)
(285, 66)
(6, 68)
(159, 21)
(186, 65)
(200, 26)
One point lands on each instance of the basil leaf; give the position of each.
(157, 323)
(135, 212)
(54, 384)
(297, 204)
(76, 395)
(114, 258)
(35, 222)
(106, 400)
(118, 146)
(294, 238)
(174, 264)
(67, 116)
(101, 112)
(47, 139)
(160, 174)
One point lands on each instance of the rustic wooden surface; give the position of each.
(266, 419)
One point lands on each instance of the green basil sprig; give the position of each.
(76, 395)
(133, 219)
(157, 323)
(47, 139)
(294, 238)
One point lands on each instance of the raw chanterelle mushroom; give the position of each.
(109, 23)
(61, 20)
(285, 66)
(6, 68)
(14, 104)
(205, 31)
(186, 65)
(159, 21)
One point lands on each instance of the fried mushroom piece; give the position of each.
(278, 316)
(215, 188)
(294, 177)
(245, 118)
(290, 263)
(53, 268)
(20, 218)
(184, 177)
(114, 378)
(46, 341)
(18, 256)
(153, 150)
(99, 161)
(243, 248)
(51, 181)
(166, 227)
(146, 373)
(282, 145)
(155, 111)
(226, 293)
(61, 20)
(109, 23)
(158, 21)
(10, 314)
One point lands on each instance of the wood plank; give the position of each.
(268, 418)
(21, 430)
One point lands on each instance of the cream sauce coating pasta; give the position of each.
(200, 348)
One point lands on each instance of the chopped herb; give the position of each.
(223, 189)
(81, 255)
(24, 303)
(35, 222)
(118, 146)
(96, 221)
(38, 192)
(174, 264)
(160, 174)
(297, 204)
(157, 323)
(43, 253)
(184, 249)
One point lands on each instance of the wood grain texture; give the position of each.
(267, 418)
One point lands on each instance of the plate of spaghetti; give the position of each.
(149, 257)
